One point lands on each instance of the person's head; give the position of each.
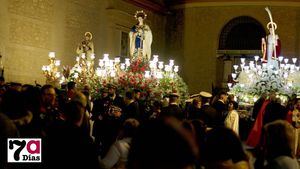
(223, 96)
(279, 139)
(157, 105)
(264, 95)
(271, 30)
(16, 86)
(129, 97)
(104, 92)
(222, 145)
(161, 145)
(272, 96)
(197, 103)
(112, 89)
(48, 95)
(231, 97)
(71, 86)
(75, 109)
(88, 36)
(140, 16)
(129, 128)
(137, 94)
(205, 97)
(231, 106)
(2, 81)
(173, 98)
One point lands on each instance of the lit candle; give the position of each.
(127, 62)
(229, 85)
(233, 75)
(122, 66)
(160, 65)
(176, 69)
(101, 63)
(147, 74)
(117, 60)
(155, 58)
(105, 58)
(235, 67)
(57, 74)
(88, 63)
(92, 56)
(171, 63)
(83, 55)
(243, 60)
(57, 62)
(98, 72)
(280, 58)
(51, 55)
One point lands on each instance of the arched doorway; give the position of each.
(240, 37)
(241, 33)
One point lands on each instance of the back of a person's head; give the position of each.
(13, 104)
(279, 139)
(71, 85)
(157, 104)
(46, 87)
(161, 146)
(32, 97)
(73, 111)
(129, 95)
(173, 99)
(222, 144)
(129, 129)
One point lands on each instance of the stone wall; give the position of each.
(29, 29)
(201, 28)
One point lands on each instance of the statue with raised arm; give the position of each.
(140, 38)
(272, 41)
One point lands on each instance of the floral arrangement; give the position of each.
(254, 82)
(154, 81)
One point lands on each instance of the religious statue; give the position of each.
(272, 42)
(86, 46)
(140, 38)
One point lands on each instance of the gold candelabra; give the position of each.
(51, 71)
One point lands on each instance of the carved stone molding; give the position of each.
(149, 5)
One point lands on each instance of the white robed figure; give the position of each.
(272, 49)
(232, 119)
(140, 38)
(86, 46)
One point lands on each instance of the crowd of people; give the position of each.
(112, 131)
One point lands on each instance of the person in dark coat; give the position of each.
(131, 110)
(208, 114)
(221, 108)
(107, 115)
(68, 144)
(173, 108)
(258, 104)
(194, 110)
